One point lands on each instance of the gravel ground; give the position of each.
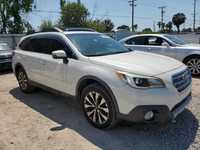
(45, 121)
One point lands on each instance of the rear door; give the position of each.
(31, 59)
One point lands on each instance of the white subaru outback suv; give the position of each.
(111, 82)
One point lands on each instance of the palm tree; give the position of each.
(178, 19)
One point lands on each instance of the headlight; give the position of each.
(137, 81)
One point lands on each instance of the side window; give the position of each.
(137, 41)
(25, 45)
(41, 45)
(155, 41)
(48, 45)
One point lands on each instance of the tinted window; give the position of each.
(46, 46)
(25, 45)
(137, 41)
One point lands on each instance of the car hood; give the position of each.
(191, 46)
(136, 62)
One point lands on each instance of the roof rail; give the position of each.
(54, 29)
(79, 29)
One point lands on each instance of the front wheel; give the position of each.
(194, 65)
(98, 106)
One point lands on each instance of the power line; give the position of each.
(133, 5)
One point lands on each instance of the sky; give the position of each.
(146, 12)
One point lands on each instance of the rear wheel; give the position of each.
(194, 65)
(98, 106)
(23, 81)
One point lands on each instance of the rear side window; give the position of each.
(25, 45)
(137, 41)
(42, 45)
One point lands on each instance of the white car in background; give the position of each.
(168, 45)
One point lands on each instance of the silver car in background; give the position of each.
(168, 45)
(5, 56)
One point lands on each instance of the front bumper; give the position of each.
(162, 113)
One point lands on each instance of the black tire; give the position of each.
(23, 81)
(193, 64)
(104, 114)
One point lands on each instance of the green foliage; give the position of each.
(10, 15)
(76, 15)
(108, 25)
(73, 15)
(161, 26)
(169, 26)
(96, 25)
(178, 19)
(123, 27)
(147, 31)
(46, 24)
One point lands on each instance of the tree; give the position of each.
(178, 19)
(73, 15)
(123, 27)
(161, 26)
(147, 30)
(169, 26)
(108, 25)
(46, 24)
(10, 14)
(97, 25)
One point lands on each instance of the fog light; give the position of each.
(149, 115)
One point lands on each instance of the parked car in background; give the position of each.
(110, 81)
(5, 56)
(168, 45)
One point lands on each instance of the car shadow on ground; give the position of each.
(66, 112)
(7, 71)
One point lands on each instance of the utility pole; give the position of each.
(132, 4)
(79, 1)
(162, 16)
(194, 15)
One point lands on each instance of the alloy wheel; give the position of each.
(23, 81)
(194, 66)
(96, 108)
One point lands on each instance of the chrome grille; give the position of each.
(182, 80)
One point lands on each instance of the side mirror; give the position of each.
(59, 54)
(165, 44)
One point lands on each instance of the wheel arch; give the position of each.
(17, 67)
(86, 80)
(189, 57)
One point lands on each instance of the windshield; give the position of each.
(4, 47)
(91, 44)
(176, 39)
